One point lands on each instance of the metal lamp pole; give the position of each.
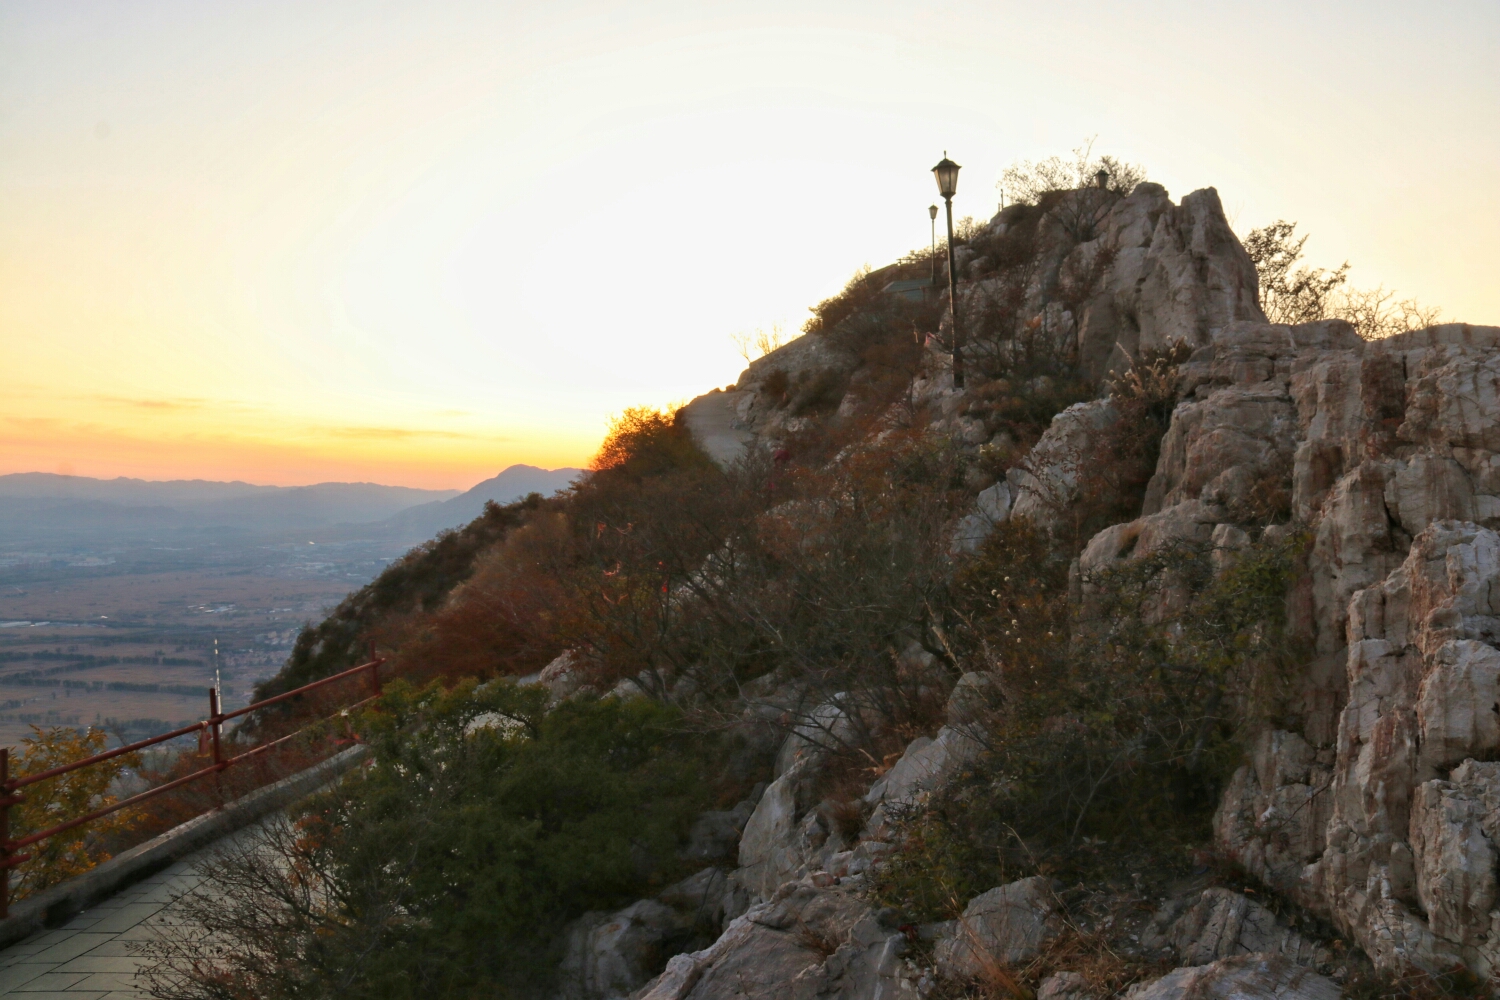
(932, 216)
(946, 173)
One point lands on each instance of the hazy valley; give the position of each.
(112, 593)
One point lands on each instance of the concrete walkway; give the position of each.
(91, 956)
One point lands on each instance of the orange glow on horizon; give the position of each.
(295, 243)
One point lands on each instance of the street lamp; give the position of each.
(1102, 178)
(932, 216)
(946, 173)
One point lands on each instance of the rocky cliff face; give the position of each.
(1379, 809)
(1371, 812)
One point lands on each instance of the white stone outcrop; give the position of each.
(1045, 485)
(1274, 814)
(1373, 806)
(1220, 923)
(991, 507)
(772, 851)
(611, 955)
(808, 940)
(825, 729)
(927, 765)
(1389, 452)
(1244, 977)
(1006, 925)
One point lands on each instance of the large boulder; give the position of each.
(611, 955)
(1243, 977)
(1045, 486)
(927, 765)
(1163, 275)
(715, 835)
(991, 507)
(1006, 925)
(1220, 923)
(807, 941)
(770, 851)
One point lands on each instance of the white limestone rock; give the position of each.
(1005, 925)
(1274, 813)
(1046, 484)
(808, 940)
(609, 956)
(1243, 977)
(927, 765)
(1063, 986)
(770, 853)
(1220, 923)
(991, 507)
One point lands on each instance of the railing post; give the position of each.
(214, 725)
(5, 832)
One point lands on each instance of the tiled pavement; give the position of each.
(91, 956)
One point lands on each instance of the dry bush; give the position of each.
(1308, 294)
(643, 442)
(1376, 313)
(1025, 182)
(775, 386)
(1286, 295)
(1112, 734)
(754, 346)
(418, 582)
(1097, 957)
(502, 621)
(1088, 488)
(858, 295)
(601, 572)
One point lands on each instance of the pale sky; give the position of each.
(416, 242)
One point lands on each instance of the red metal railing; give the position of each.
(208, 733)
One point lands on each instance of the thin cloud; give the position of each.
(159, 405)
(399, 433)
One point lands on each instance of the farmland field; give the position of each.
(126, 641)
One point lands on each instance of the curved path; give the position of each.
(92, 957)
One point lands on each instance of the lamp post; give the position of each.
(932, 216)
(946, 173)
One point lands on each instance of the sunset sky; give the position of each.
(416, 242)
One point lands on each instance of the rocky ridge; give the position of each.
(1379, 810)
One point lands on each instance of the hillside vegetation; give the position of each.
(919, 692)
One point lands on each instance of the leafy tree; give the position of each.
(1291, 294)
(1303, 295)
(57, 800)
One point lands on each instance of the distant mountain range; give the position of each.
(514, 483)
(45, 508)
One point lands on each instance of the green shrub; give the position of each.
(450, 865)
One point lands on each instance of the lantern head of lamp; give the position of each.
(932, 212)
(946, 173)
(1102, 179)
